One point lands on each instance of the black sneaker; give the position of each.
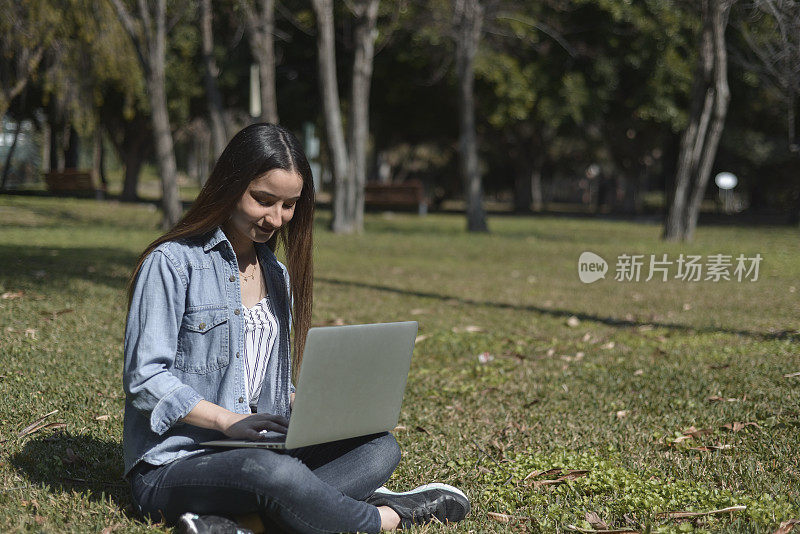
(190, 523)
(424, 504)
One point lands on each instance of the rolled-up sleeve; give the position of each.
(151, 343)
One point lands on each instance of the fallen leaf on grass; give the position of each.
(12, 295)
(73, 458)
(111, 528)
(686, 515)
(786, 526)
(49, 316)
(791, 375)
(737, 426)
(590, 531)
(469, 329)
(710, 448)
(573, 321)
(697, 432)
(638, 372)
(505, 518)
(423, 337)
(399, 428)
(421, 429)
(719, 366)
(622, 413)
(30, 332)
(717, 398)
(102, 418)
(596, 521)
(32, 427)
(609, 345)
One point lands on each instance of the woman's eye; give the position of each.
(288, 206)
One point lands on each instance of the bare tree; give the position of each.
(709, 107)
(348, 155)
(219, 136)
(259, 18)
(777, 58)
(148, 33)
(468, 17)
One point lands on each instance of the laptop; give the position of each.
(351, 384)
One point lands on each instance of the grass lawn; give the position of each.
(609, 398)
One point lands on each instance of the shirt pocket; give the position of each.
(203, 341)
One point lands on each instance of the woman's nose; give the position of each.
(273, 217)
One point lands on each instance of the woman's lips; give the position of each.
(264, 229)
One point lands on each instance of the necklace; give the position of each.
(244, 276)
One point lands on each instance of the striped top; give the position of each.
(260, 334)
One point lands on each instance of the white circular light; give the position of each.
(726, 180)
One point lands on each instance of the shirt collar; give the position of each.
(214, 238)
(218, 236)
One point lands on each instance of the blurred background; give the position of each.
(605, 108)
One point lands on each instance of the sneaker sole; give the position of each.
(383, 490)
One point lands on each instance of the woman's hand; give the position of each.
(242, 426)
(236, 425)
(291, 400)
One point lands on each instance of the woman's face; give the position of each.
(267, 204)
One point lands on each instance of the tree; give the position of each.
(219, 136)
(773, 40)
(259, 18)
(710, 97)
(348, 155)
(148, 34)
(28, 30)
(468, 17)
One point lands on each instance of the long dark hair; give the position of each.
(253, 151)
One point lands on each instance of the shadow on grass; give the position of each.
(53, 266)
(66, 463)
(611, 321)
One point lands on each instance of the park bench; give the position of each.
(406, 195)
(76, 182)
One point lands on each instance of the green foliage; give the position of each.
(621, 495)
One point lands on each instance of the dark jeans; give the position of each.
(320, 488)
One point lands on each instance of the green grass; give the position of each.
(554, 396)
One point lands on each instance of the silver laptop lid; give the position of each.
(351, 381)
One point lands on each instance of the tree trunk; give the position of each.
(468, 14)
(719, 20)
(522, 190)
(365, 32)
(536, 188)
(710, 96)
(260, 24)
(150, 49)
(98, 159)
(343, 178)
(72, 150)
(10, 155)
(165, 153)
(218, 134)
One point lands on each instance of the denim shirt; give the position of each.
(184, 342)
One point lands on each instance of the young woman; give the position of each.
(207, 352)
